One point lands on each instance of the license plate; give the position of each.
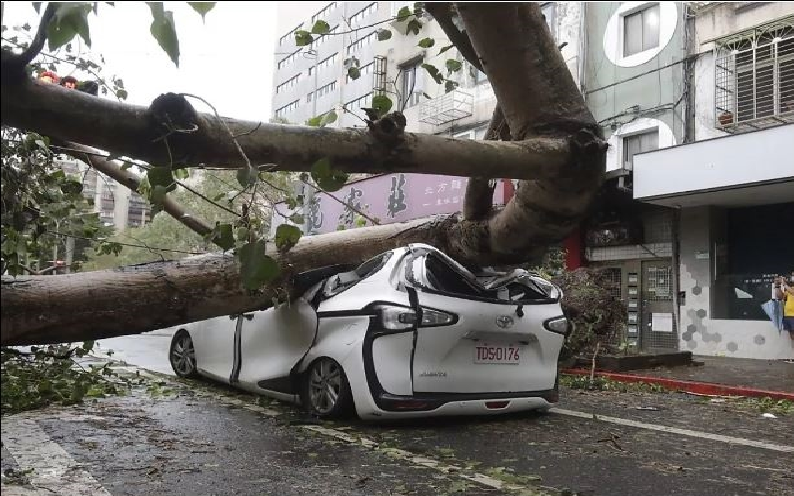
(502, 354)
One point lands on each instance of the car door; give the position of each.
(271, 342)
(487, 345)
(213, 341)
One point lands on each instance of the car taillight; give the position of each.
(559, 325)
(397, 318)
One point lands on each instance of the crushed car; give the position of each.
(408, 333)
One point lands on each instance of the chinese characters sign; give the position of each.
(387, 198)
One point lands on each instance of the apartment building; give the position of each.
(117, 205)
(732, 182)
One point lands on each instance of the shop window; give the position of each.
(750, 246)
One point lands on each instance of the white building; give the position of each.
(117, 205)
(311, 80)
(733, 186)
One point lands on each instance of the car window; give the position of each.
(346, 280)
(443, 277)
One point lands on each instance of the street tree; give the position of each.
(541, 133)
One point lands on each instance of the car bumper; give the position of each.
(463, 408)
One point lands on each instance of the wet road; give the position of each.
(200, 438)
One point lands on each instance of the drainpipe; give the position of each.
(675, 273)
(582, 44)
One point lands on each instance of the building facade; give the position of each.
(732, 183)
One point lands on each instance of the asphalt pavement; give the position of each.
(198, 438)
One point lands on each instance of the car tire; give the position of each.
(182, 355)
(326, 390)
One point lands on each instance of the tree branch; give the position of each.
(138, 132)
(131, 181)
(18, 62)
(555, 105)
(443, 13)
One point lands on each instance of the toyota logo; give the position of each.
(504, 321)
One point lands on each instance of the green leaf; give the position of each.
(404, 14)
(70, 19)
(382, 104)
(88, 345)
(327, 178)
(303, 38)
(122, 94)
(453, 65)
(181, 173)
(354, 73)
(321, 27)
(384, 34)
(450, 85)
(222, 236)
(427, 42)
(71, 187)
(414, 26)
(218, 197)
(164, 31)
(243, 233)
(287, 236)
(247, 176)
(314, 121)
(157, 195)
(448, 47)
(297, 218)
(434, 73)
(126, 165)
(256, 268)
(328, 118)
(161, 176)
(202, 8)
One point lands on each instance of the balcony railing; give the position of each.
(457, 104)
(754, 78)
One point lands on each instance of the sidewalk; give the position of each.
(717, 376)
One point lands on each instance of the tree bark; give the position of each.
(140, 298)
(171, 132)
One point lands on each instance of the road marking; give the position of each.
(54, 470)
(676, 430)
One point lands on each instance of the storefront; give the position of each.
(729, 257)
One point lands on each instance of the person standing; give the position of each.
(785, 293)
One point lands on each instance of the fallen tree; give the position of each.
(555, 147)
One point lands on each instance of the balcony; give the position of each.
(457, 104)
(740, 170)
(754, 78)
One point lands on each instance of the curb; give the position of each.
(707, 388)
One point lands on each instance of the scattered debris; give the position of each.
(769, 415)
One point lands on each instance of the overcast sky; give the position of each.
(228, 60)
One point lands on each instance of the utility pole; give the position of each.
(308, 189)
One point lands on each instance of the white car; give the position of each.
(408, 333)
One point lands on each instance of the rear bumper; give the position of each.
(463, 408)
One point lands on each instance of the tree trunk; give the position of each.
(192, 138)
(144, 297)
(556, 148)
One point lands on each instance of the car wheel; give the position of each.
(182, 355)
(326, 390)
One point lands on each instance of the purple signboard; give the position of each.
(387, 198)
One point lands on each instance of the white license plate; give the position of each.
(501, 354)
